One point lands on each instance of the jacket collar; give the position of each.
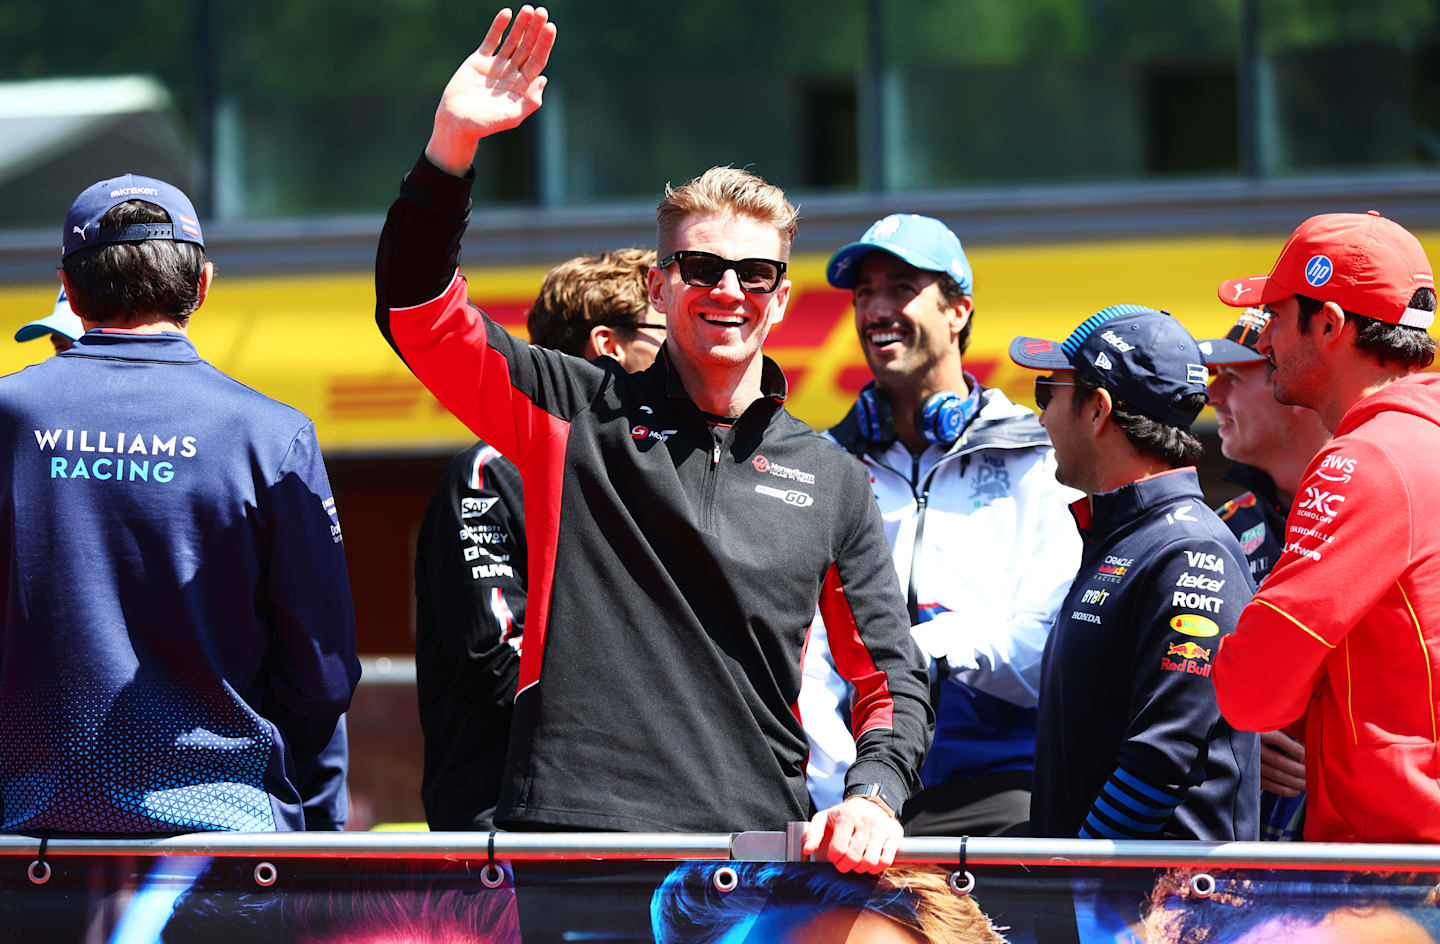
(774, 388)
(1107, 512)
(168, 347)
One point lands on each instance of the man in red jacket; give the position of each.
(1347, 625)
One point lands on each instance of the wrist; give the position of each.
(451, 149)
(877, 794)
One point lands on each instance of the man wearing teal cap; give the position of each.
(979, 532)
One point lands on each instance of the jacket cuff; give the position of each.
(432, 189)
(877, 771)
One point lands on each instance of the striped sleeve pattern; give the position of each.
(1129, 807)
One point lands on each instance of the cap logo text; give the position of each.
(1318, 270)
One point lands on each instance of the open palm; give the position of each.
(497, 86)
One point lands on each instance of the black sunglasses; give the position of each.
(705, 270)
(1044, 388)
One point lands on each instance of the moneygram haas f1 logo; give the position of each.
(789, 496)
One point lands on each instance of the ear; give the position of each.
(1329, 323)
(655, 286)
(603, 340)
(68, 294)
(1099, 409)
(207, 276)
(960, 315)
(782, 299)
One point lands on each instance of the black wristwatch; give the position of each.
(875, 793)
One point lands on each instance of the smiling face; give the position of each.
(1254, 428)
(909, 335)
(721, 328)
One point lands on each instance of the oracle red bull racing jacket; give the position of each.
(1130, 743)
(675, 563)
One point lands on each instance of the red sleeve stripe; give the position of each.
(445, 342)
(874, 705)
(544, 484)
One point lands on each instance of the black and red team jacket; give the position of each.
(675, 564)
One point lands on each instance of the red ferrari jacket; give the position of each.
(1350, 616)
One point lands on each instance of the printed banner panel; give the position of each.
(311, 341)
(181, 900)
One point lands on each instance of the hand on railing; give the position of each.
(857, 835)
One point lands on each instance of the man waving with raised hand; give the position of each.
(682, 523)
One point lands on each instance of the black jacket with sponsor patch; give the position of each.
(1256, 518)
(469, 620)
(674, 568)
(1130, 742)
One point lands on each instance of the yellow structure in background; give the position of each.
(311, 341)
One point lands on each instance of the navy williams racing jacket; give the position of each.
(675, 563)
(1130, 742)
(178, 641)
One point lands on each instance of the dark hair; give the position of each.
(580, 293)
(1407, 345)
(120, 280)
(687, 908)
(1246, 900)
(1175, 445)
(951, 293)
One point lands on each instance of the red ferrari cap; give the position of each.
(1362, 262)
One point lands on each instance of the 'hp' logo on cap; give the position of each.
(1318, 270)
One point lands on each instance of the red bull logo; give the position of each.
(1189, 650)
(1196, 659)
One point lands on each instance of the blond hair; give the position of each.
(722, 190)
(580, 293)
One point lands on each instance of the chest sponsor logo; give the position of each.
(476, 507)
(1252, 538)
(1196, 601)
(1192, 625)
(474, 552)
(1180, 514)
(1084, 617)
(992, 480)
(1302, 550)
(484, 534)
(1211, 562)
(765, 467)
(1095, 597)
(1199, 582)
(1336, 468)
(788, 496)
(1114, 569)
(1189, 658)
(1235, 504)
(645, 432)
(1319, 501)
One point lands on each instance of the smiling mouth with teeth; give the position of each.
(724, 322)
(886, 337)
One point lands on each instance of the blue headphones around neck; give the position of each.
(940, 418)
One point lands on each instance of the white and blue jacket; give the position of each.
(178, 640)
(984, 545)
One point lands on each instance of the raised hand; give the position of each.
(494, 89)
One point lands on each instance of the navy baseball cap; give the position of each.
(1238, 345)
(61, 321)
(922, 241)
(82, 223)
(1141, 355)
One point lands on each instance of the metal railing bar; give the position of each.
(758, 845)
